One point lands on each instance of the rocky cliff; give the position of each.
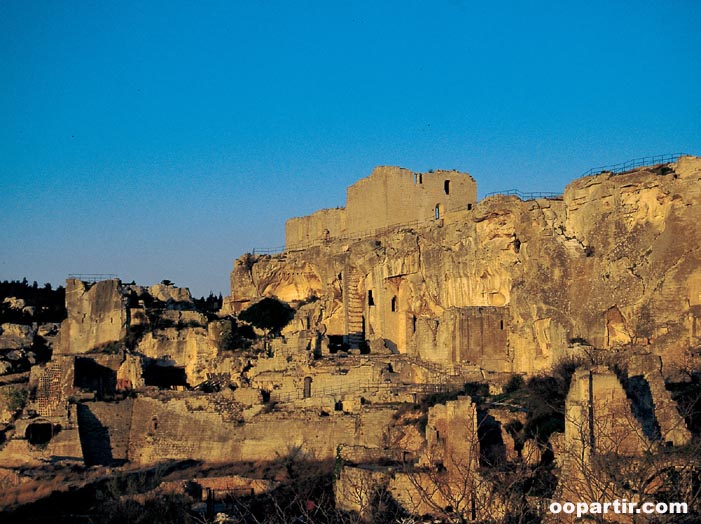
(511, 285)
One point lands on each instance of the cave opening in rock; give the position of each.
(39, 433)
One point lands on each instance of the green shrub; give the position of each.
(16, 399)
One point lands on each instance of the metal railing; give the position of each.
(525, 195)
(622, 167)
(91, 278)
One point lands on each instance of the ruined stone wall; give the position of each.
(52, 384)
(389, 196)
(170, 430)
(173, 430)
(392, 195)
(104, 431)
(148, 430)
(599, 417)
(318, 226)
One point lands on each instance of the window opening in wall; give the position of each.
(394, 304)
(413, 323)
(446, 187)
(469, 207)
(501, 324)
(438, 212)
(371, 301)
(415, 178)
(421, 178)
(307, 387)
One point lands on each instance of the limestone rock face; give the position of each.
(509, 285)
(168, 292)
(188, 348)
(97, 315)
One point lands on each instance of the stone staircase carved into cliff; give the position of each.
(353, 305)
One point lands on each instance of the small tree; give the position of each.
(269, 314)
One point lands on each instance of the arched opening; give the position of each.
(394, 304)
(39, 433)
(371, 301)
(307, 387)
(501, 324)
(446, 187)
(438, 211)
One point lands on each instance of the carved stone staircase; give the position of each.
(353, 305)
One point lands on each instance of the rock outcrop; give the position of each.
(97, 316)
(509, 284)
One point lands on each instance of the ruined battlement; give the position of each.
(389, 196)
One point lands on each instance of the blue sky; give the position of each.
(162, 140)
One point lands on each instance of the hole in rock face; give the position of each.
(163, 376)
(39, 433)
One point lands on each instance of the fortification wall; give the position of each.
(104, 431)
(173, 430)
(315, 227)
(390, 195)
(393, 195)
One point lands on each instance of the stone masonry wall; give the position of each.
(389, 196)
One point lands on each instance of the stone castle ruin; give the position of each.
(389, 196)
(421, 332)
